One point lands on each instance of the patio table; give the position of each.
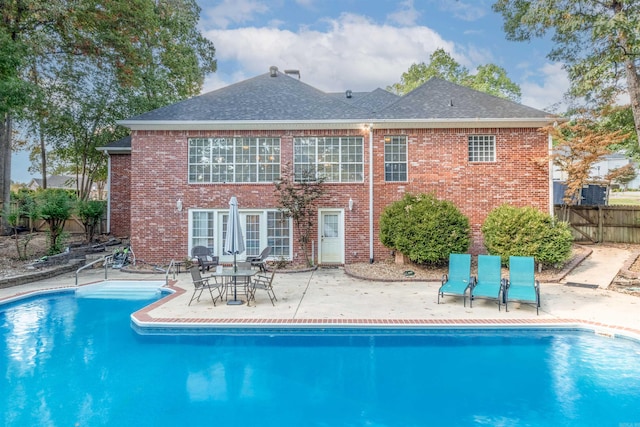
(229, 273)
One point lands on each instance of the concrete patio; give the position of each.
(328, 296)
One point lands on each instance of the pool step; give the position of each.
(121, 290)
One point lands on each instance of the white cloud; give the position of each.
(467, 11)
(234, 12)
(549, 93)
(353, 53)
(407, 14)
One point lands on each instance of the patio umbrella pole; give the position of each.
(234, 244)
(235, 300)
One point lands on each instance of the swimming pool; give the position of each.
(69, 361)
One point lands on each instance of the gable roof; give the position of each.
(438, 98)
(278, 101)
(371, 101)
(122, 145)
(261, 98)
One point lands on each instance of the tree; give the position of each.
(24, 206)
(150, 52)
(296, 200)
(90, 213)
(488, 78)
(579, 144)
(13, 97)
(598, 42)
(622, 175)
(55, 206)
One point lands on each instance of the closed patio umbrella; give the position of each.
(234, 243)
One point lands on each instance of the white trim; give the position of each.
(337, 124)
(341, 232)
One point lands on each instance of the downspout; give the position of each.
(108, 193)
(551, 212)
(371, 193)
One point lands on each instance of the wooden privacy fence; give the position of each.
(602, 224)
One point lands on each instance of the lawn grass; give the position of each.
(624, 202)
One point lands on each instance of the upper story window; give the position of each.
(234, 160)
(337, 159)
(482, 148)
(395, 158)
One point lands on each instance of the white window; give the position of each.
(337, 159)
(395, 158)
(482, 148)
(234, 160)
(259, 228)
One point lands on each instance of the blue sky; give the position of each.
(364, 44)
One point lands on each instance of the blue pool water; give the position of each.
(68, 361)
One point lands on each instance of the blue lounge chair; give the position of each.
(489, 284)
(459, 278)
(522, 286)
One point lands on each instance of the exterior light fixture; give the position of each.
(350, 204)
(179, 205)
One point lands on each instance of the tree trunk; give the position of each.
(5, 171)
(633, 83)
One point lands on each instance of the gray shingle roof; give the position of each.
(283, 98)
(370, 101)
(440, 99)
(260, 98)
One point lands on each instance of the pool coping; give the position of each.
(145, 323)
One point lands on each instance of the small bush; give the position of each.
(424, 229)
(527, 232)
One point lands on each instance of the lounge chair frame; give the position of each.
(459, 278)
(522, 286)
(488, 284)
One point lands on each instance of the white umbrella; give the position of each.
(234, 243)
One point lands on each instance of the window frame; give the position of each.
(234, 160)
(310, 156)
(266, 236)
(481, 148)
(394, 139)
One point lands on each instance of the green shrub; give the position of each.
(90, 213)
(527, 232)
(424, 228)
(55, 206)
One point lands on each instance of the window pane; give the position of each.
(337, 159)
(482, 148)
(252, 235)
(278, 234)
(395, 158)
(234, 159)
(203, 229)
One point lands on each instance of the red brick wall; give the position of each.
(120, 195)
(438, 162)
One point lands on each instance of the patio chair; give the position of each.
(458, 280)
(263, 282)
(205, 257)
(522, 286)
(488, 284)
(201, 283)
(260, 260)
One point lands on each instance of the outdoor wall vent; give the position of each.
(349, 94)
(273, 71)
(293, 73)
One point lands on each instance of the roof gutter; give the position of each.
(338, 124)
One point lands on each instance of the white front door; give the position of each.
(331, 231)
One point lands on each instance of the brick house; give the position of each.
(171, 181)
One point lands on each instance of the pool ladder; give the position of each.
(107, 261)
